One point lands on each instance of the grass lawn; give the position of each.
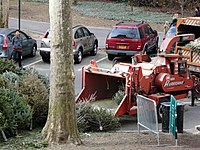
(120, 11)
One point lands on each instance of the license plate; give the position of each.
(122, 46)
(121, 54)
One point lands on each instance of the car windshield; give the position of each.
(130, 33)
(171, 31)
(1, 39)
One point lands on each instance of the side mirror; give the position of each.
(29, 37)
(91, 34)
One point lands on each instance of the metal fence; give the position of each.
(147, 115)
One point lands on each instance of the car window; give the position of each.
(141, 33)
(171, 31)
(23, 36)
(79, 34)
(86, 32)
(10, 36)
(1, 39)
(130, 33)
(148, 30)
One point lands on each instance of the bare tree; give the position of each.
(183, 4)
(131, 4)
(4, 13)
(61, 126)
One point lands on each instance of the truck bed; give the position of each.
(192, 58)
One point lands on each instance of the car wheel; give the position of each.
(33, 52)
(94, 49)
(79, 57)
(45, 59)
(159, 108)
(111, 57)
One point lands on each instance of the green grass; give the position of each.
(120, 11)
(29, 140)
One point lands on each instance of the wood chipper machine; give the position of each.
(189, 52)
(156, 78)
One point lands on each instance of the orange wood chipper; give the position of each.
(157, 78)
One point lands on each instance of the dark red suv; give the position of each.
(127, 39)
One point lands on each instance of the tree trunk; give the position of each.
(183, 4)
(61, 125)
(4, 13)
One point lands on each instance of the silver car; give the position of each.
(84, 42)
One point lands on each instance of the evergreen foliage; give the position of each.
(90, 119)
(37, 96)
(14, 111)
(23, 97)
(194, 45)
(119, 96)
(7, 65)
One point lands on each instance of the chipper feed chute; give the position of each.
(104, 84)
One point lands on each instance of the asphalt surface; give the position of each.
(191, 114)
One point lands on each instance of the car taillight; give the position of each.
(164, 38)
(5, 44)
(107, 45)
(73, 43)
(139, 45)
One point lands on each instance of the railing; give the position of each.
(147, 115)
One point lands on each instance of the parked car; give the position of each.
(29, 45)
(127, 39)
(84, 42)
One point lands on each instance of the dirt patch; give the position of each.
(133, 141)
(40, 12)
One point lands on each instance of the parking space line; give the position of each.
(98, 61)
(32, 63)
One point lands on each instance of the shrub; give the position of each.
(194, 45)
(37, 96)
(14, 110)
(118, 96)
(82, 110)
(100, 119)
(95, 119)
(12, 78)
(3, 82)
(31, 70)
(7, 65)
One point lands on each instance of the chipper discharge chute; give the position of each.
(103, 84)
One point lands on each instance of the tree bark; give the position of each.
(61, 125)
(4, 13)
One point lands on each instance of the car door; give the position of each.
(150, 36)
(26, 45)
(82, 40)
(89, 38)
